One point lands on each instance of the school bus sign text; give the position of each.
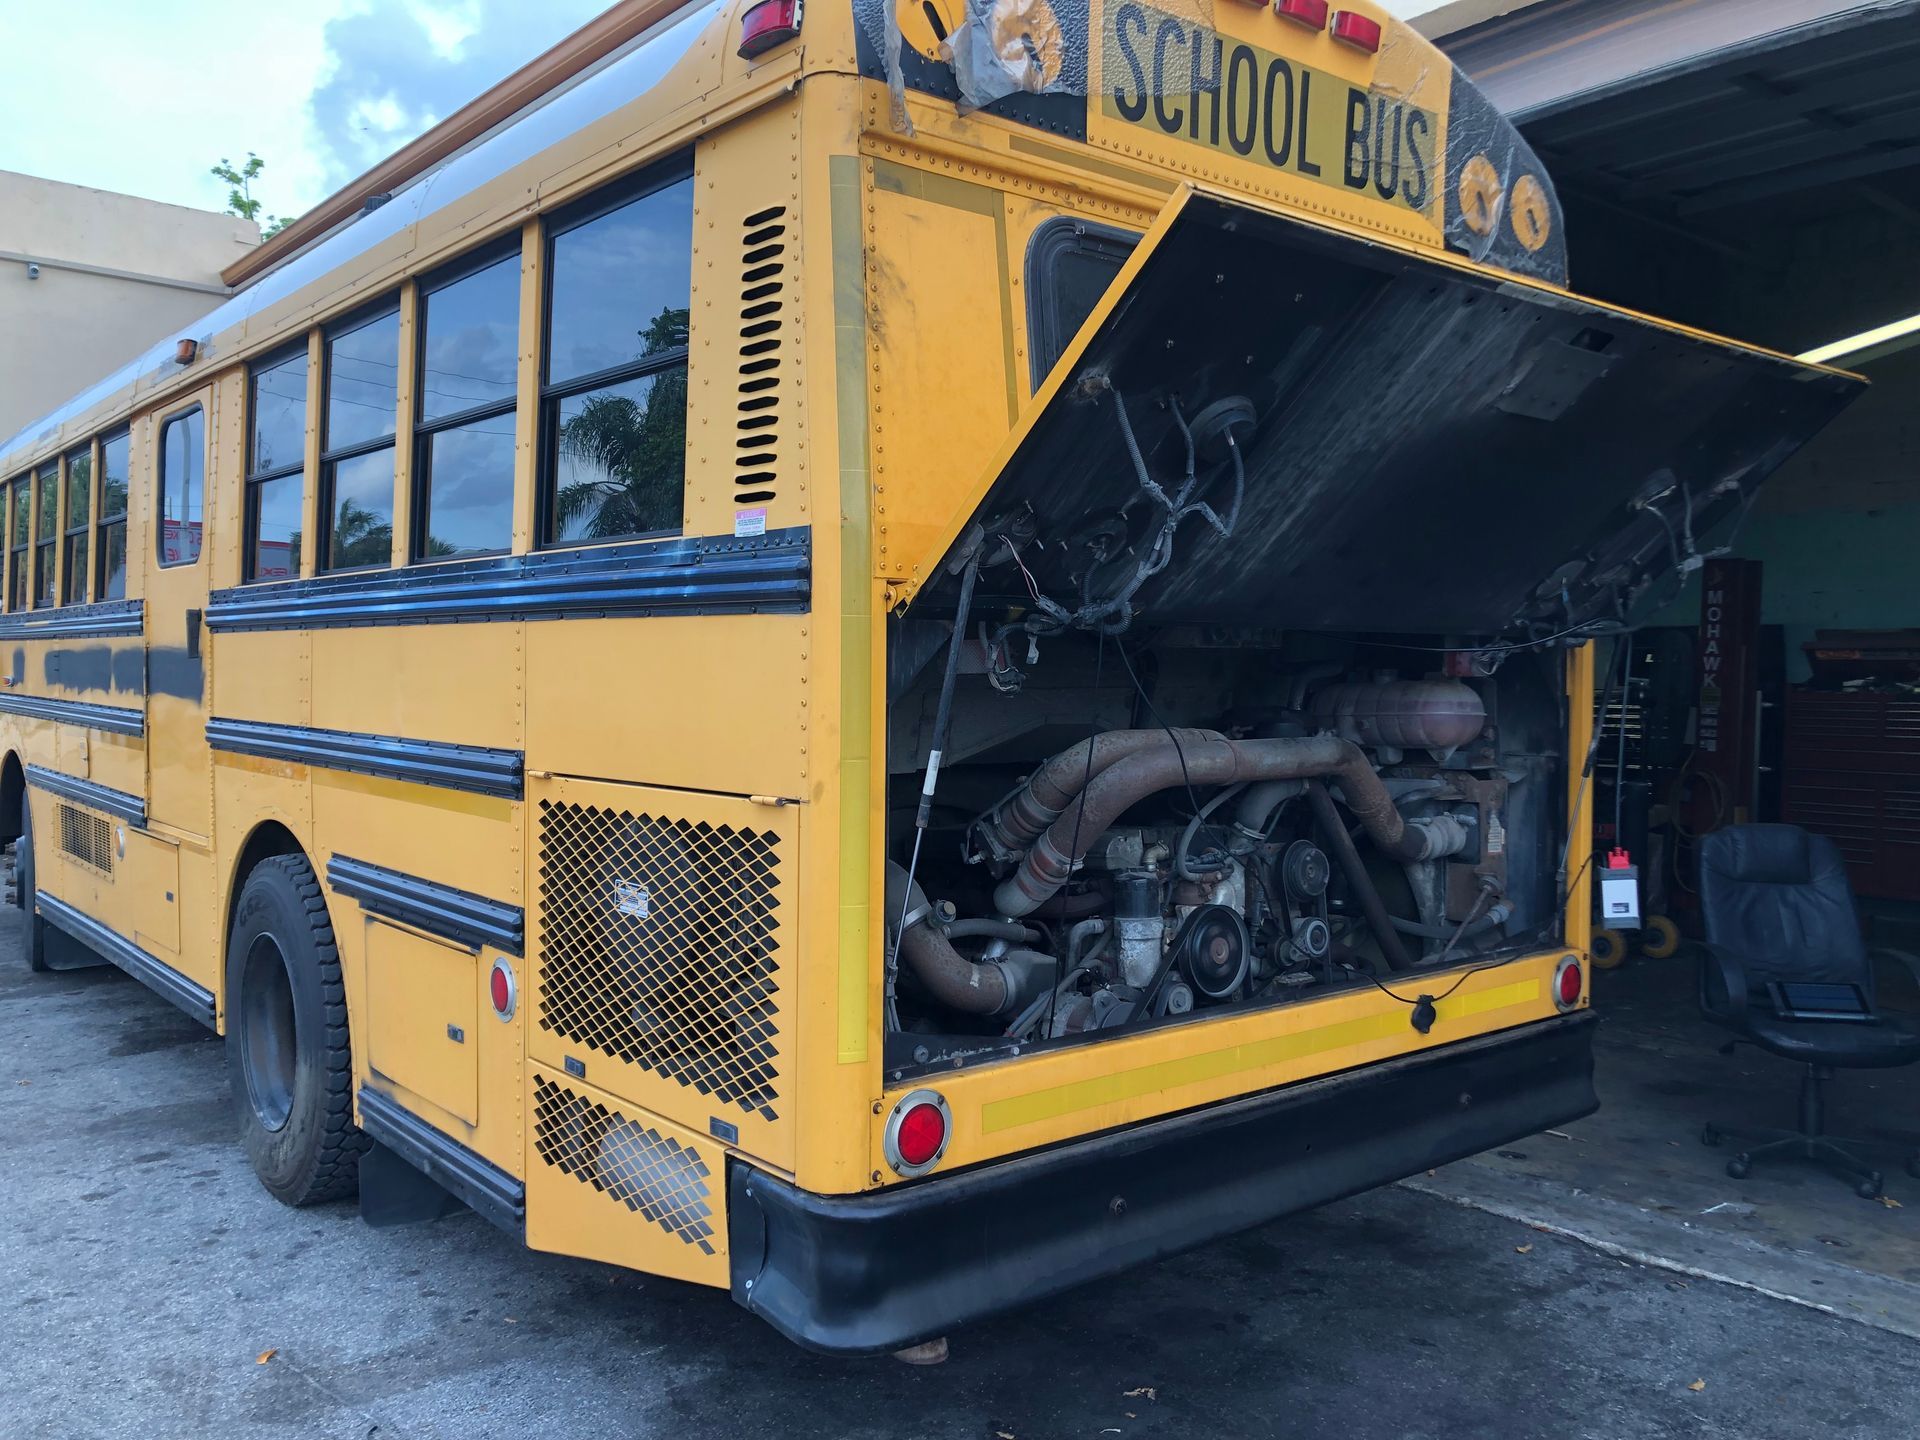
(1187, 82)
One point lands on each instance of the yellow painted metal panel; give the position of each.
(746, 311)
(937, 265)
(458, 683)
(266, 675)
(609, 1181)
(421, 1007)
(1035, 1100)
(665, 949)
(147, 903)
(714, 703)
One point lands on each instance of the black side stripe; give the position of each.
(703, 575)
(158, 976)
(73, 622)
(491, 1191)
(86, 792)
(117, 718)
(390, 757)
(458, 915)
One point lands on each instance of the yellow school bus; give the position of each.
(890, 658)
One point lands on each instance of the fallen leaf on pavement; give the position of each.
(1146, 1390)
(1698, 1385)
(264, 1356)
(1523, 1249)
(1889, 1202)
(1003, 1435)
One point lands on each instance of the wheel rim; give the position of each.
(267, 1033)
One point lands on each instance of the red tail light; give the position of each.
(1352, 28)
(1568, 982)
(770, 23)
(1311, 13)
(917, 1132)
(502, 990)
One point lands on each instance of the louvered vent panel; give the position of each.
(657, 946)
(653, 1175)
(86, 838)
(762, 300)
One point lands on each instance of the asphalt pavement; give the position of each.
(149, 1287)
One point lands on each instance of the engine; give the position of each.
(1321, 828)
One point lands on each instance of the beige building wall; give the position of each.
(89, 279)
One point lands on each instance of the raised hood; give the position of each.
(1425, 447)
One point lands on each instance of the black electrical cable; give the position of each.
(1093, 733)
(1185, 778)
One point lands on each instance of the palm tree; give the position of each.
(633, 451)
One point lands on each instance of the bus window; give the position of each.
(112, 544)
(469, 373)
(183, 450)
(357, 465)
(276, 470)
(615, 403)
(19, 499)
(46, 527)
(1070, 264)
(79, 517)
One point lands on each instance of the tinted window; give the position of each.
(470, 350)
(360, 526)
(113, 517)
(466, 489)
(620, 284)
(183, 448)
(273, 527)
(280, 416)
(363, 376)
(1070, 265)
(621, 460)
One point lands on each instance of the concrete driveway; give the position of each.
(145, 1273)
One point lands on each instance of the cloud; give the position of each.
(398, 67)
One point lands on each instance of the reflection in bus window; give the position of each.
(19, 507)
(114, 453)
(469, 369)
(357, 464)
(616, 398)
(79, 514)
(46, 526)
(183, 449)
(276, 473)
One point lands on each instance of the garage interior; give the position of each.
(1752, 169)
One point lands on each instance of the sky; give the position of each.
(144, 98)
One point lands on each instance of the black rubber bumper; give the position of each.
(856, 1274)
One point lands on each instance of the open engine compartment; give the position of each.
(1133, 830)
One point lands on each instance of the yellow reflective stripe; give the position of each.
(1165, 1075)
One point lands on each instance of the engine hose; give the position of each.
(951, 978)
(1012, 825)
(1371, 906)
(1057, 853)
(1011, 931)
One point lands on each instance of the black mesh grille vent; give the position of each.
(756, 457)
(651, 1174)
(657, 943)
(87, 838)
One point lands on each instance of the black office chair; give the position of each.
(1778, 910)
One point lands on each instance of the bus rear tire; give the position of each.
(289, 1063)
(26, 893)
